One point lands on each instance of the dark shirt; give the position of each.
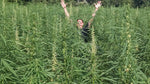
(86, 33)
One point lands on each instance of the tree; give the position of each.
(140, 3)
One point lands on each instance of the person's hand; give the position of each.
(93, 14)
(98, 4)
(63, 4)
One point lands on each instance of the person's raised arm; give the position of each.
(97, 5)
(65, 9)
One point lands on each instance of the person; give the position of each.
(85, 30)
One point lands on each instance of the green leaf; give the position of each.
(3, 39)
(8, 67)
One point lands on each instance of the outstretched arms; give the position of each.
(97, 5)
(65, 9)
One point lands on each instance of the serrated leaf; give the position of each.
(8, 67)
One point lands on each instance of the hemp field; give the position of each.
(38, 45)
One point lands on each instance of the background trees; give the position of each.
(107, 3)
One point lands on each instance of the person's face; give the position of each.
(80, 23)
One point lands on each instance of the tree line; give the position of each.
(106, 3)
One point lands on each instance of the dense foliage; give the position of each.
(116, 3)
(38, 45)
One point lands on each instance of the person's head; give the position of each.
(99, 2)
(80, 23)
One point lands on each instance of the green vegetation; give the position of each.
(38, 45)
(106, 3)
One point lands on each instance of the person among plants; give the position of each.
(85, 30)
